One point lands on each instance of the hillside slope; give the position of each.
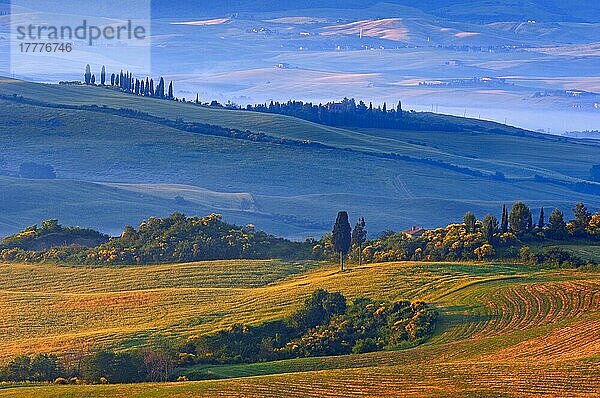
(394, 178)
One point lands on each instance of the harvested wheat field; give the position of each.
(505, 330)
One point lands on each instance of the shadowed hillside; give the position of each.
(137, 165)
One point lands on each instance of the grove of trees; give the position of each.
(126, 82)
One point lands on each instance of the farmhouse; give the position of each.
(414, 232)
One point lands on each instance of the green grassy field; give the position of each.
(585, 250)
(505, 330)
(122, 170)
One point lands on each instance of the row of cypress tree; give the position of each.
(125, 81)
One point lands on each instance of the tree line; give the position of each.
(347, 112)
(172, 239)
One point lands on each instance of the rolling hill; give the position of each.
(122, 168)
(505, 330)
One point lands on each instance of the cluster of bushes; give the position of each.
(552, 256)
(154, 363)
(51, 234)
(42, 367)
(176, 238)
(325, 325)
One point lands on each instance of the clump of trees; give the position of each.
(156, 362)
(42, 367)
(341, 241)
(325, 325)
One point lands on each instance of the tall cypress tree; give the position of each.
(160, 90)
(359, 235)
(504, 222)
(152, 87)
(88, 74)
(112, 79)
(171, 91)
(342, 236)
(103, 76)
(489, 227)
(542, 221)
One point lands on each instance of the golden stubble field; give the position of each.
(505, 330)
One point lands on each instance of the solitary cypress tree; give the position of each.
(342, 236)
(504, 222)
(542, 221)
(197, 98)
(88, 74)
(103, 76)
(359, 235)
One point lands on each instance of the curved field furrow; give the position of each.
(578, 340)
(524, 306)
(513, 307)
(571, 379)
